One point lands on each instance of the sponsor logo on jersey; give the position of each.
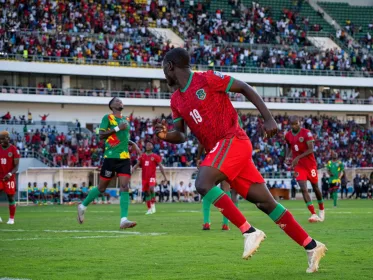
(301, 139)
(201, 94)
(309, 134)
(219, 74)
(10, 154)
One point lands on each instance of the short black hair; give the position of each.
(294, 119)
(179, 57)
(149, 141)
(111, 101)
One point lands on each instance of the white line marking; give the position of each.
(87, 231)
(67, 237)
(8, 278)
(189, 211)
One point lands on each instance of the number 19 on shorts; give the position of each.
(196, 116)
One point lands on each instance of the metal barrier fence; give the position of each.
(167, 95)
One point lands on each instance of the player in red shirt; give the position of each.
(300, 147)
(9, 161)
(202, 103)
(148, 163)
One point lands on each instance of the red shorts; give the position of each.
(147, 184)
(306, 174)
(9, 187)
(233, 157)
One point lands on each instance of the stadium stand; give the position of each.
(356, 20)
(114, 35)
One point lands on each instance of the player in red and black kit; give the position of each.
(148, 163)
(202, 103)
(9, 161)
(299, 151)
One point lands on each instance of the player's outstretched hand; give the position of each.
(161, 129)
(270, 128)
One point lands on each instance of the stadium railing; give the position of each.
(153, 64)
(166, 95)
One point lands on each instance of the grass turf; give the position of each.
(47, 243)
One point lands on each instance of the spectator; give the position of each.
(293, 188)
(29, 117)
(344, 182)
(44, 118)
(357, 187)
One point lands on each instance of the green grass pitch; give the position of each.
(47, 243)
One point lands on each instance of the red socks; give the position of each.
(230, 211)
(310, 207)
(321, 204)
(287, 223)
(153, 200)
(12, 211)
(149, 204)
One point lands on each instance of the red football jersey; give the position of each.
(298, 143)
(7, 157)
(148, 163)
(205, 107)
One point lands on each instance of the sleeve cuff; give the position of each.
(177, 119)
(229, 85)
(103, 129)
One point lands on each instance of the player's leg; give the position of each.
(320, 201)
(152, 184)
(206, 181)
(12, 208)
(262, 198)
(234, 197)
(148, 198)
(307, 199)
(10, 190)
(123, 169)
(227, 189)
(206, 205)
(106, 175)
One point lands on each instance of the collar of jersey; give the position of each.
(188, 83)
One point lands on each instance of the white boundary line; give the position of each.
(85, 231)
(9, 278)
(67, 237)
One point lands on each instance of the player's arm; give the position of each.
(106, 132)
(134, 145)
(175, 136)
(270, 125)
(200, 152)
(13, 171)
(328, 169)
(288, 153)
(309, 151)
(137, 165)
(162, 170)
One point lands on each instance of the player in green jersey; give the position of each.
(114, 129)
(335, 169)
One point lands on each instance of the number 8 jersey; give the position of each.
(299, 144)
(205, 107)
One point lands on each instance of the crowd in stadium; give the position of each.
(119, 31)
(353, 142)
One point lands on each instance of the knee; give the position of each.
(124, 188)
(101, 189)
(202, 188)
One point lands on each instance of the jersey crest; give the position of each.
(10, 154)
(219, 74)
(201, 94)
(152, 158)
(301, 139)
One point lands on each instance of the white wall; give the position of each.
(108, 71)
(351, 2)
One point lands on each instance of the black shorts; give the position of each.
(333, 187)
(112, 166)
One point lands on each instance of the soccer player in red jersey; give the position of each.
(201, 102)
(300, 147)
(9, 161)
(148, 163)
